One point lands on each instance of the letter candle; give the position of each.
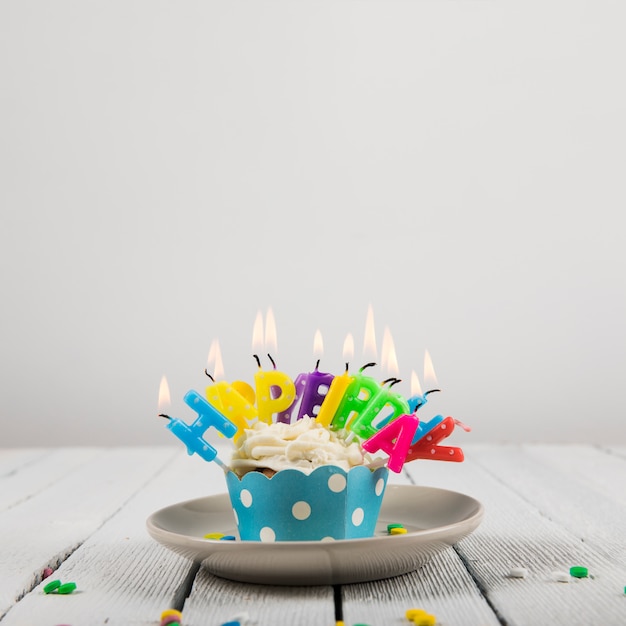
(193, 435)
(355, 399)
(236, 400)
(316, 384)
(395, 439)
(337, 388)
(275, 391)
(363, 424)
(427, 448)
(240, 410)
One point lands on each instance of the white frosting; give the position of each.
(304, 445)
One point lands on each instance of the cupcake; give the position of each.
(302, 482)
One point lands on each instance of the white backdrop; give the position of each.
(170, 168)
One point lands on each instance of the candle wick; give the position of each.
(317, 364)
(388, 380)
(165, 416)
(395, 382)
(209, 375)
(269, 356)
(366, 366)
(347, 367)
(258, 361)
(431, 391)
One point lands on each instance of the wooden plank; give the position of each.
(13, 459)
(442, 587)
(215, 601)
(43, 530)
(515, 533)
(123, 576)
(41, 472)
(579, 487)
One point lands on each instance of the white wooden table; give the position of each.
(82, 512)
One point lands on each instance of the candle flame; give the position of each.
(389, 362)
(430, 379)
(369, 339)
(348, 348)
(215, 365)
(164, 396)
(257, 333)
(416, 389)
(271, 341)
(318, 344)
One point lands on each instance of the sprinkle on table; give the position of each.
(518, 572)
(578, 571)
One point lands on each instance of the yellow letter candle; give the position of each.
(275, 392)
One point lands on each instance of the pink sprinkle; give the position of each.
(48, 572)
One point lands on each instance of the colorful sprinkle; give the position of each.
(214, 536)
(578, 571)
(398, 531)
(420, 617)
(53, 585)
(48, 571)
(228, 538)
(66, 588)
(561, 577)
(518, 572)
(171, 616)
(390, 526)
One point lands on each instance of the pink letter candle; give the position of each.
(394, 439)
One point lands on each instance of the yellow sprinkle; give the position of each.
(339, 623)
(170, 612)
(420, 617)
(214, 535)
(397, 531)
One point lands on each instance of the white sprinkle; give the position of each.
(561, 577)
(518, 572)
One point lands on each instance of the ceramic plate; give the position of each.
(434, 518)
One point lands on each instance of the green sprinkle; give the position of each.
(53, 585)
(66, 588)
(390, 526)
(579, 572)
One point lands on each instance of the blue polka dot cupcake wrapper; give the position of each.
(325, 505)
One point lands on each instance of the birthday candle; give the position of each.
(193, 435)
(275, 391)
(394, 439)
(338, 387)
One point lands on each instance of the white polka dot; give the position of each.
(246, 498)
(327, 539)
(380, 485)
(267, 534)
(357, 516)
(337, 483)
(301, 510)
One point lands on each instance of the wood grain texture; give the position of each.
(516, 532)
(123, 576)
(442, 587)
(215, 601)
(41, 472)
(45, 529)
(578, 487)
